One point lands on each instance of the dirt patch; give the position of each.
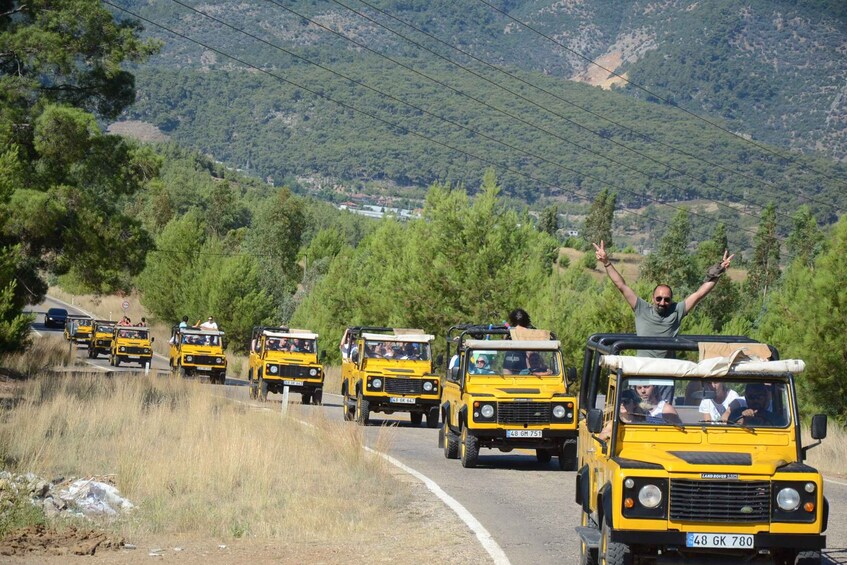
(40, 541)
(141, 131)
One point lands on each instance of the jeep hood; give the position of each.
(754, 460)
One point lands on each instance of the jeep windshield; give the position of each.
(133, 333)
(526, 362)
(729, 401)
(292, 345)
(401, 350)
(200, 339)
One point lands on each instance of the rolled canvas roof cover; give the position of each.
(415, 338)
(293, 334)
(712, 367)
(508, 344)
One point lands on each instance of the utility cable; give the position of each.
(446, 120)
(665, 100)
(572, 104)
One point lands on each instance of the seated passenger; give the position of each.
(537, 365)
(630, 411)
(658, 411)
(410, 351)
(713, 409)
(514, 362)
(480, 366)
(753, 409)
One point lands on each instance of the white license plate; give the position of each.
(203, 368)
(402, 400)
(291, 383)
(730, 541)
(523, 433)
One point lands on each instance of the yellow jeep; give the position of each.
(131, 344)
(695, 461)
(388, 370)
(78, 329)
(101, 338)
(507, 389)
(195, 351)
(281, 357)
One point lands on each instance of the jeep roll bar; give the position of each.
(613, 343)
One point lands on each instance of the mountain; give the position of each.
(342, 92)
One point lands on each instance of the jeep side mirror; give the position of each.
(323, 356)
(595, 420)
(454, 374)
(440, 359)
(819, 426)
(570, 375)
(152, 339)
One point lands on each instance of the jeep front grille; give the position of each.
(403, 386)
(206, 360)
(136, 350)
(104, 342)
(523, 412)
(290, 372)
(720, 501)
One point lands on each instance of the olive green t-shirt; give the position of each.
(648, 322)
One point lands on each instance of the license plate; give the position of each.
(291, 383)
(132, 356)
(203, 368)
(523, 433)
(729, 541)
(402, 400)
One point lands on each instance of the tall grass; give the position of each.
(44, 354)
(194, 462)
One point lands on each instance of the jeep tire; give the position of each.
(416, 418)
(345, 406)
(363, 410)
(450, 442)
(468, 448)
(432, 417)
(306, 398)
(568, 458)
(543, 456)
(587, 555)
(263, 389)
(613, 553)
(318, 396)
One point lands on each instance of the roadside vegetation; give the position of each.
(196, 463)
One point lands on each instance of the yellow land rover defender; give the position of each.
(78, 329)
(131, 344)
(101, 338)
(195, 351)
(694, 461)
(282, 357)
(389, 370)
(507, 389)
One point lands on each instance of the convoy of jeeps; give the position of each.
(676, 460)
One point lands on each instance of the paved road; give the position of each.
(527, 507)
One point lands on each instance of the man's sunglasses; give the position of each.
(661, 299)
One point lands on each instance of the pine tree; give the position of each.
(672, 264)
(764, 268)
(598, 224)
(805, 238)
(548, 221)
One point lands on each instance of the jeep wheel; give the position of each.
(416, 418)
(305, 398)
(345, 406)
(469, 449)
(587, 555)
(808, 558)
(254, 390)
(117, 360)
(263, 389)
(363, 410)
(451, 442)
(318, 397)
(567, 456)
(182, 372)
(432, 417)
(544, 456)
(613, 553)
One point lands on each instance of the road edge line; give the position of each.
(485, 539)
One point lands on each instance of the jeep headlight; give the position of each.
(273, 369)
(122, 349)
(558, 411)
(189, 358)
(650, 496)
(487, 411)
(218, 360)
(427, 386)
(376, 383)
(313, 372)
(788, 499)
(146, 350)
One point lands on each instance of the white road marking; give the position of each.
(492, 547)
(835, 482)
(93, 364)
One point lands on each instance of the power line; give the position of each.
(501, 111)
(566, 101)
(659, 97)
(451, 122)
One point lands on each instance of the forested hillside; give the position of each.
(390, 96)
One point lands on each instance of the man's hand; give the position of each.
(726, 260)
(600, 253)
(715, 271)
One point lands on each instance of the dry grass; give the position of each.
(194, 462)
(830, 457)
(45, 353)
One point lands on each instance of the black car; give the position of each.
(55, 318)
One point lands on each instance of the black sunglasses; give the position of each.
(662, 298)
